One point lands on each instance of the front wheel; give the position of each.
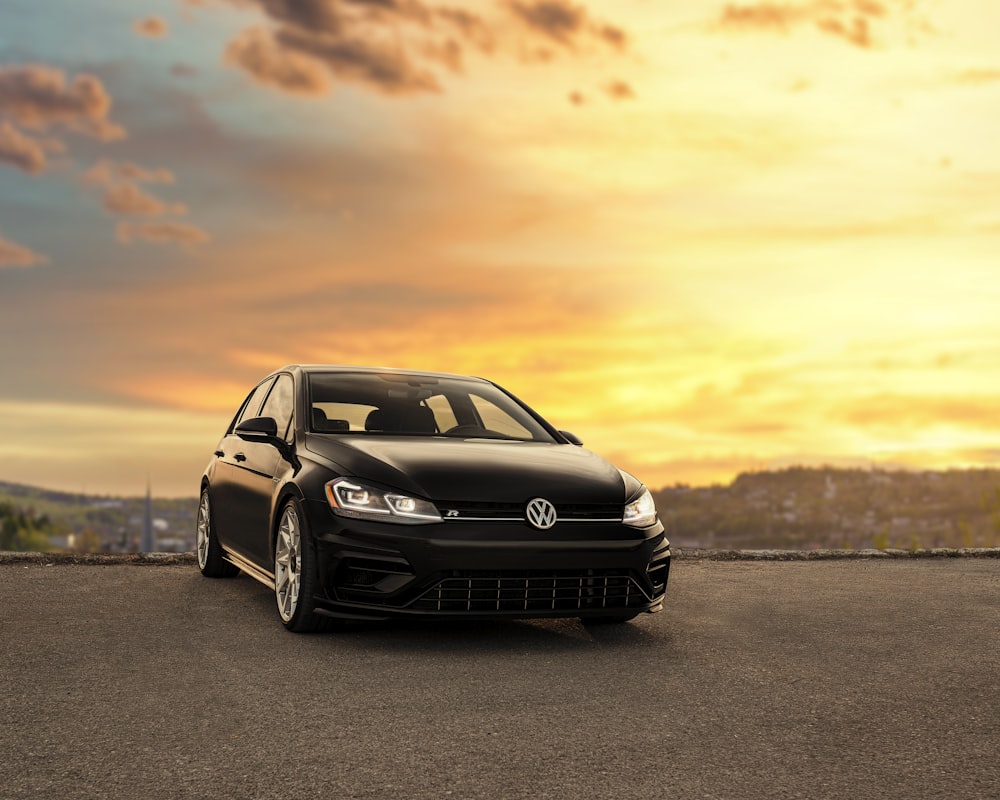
(295, 573)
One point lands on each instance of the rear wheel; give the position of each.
(295, 573)
(210, 560)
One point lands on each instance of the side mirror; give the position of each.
(571, 438)
(258, 428)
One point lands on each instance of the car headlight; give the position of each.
(350, 498)
(641, 512)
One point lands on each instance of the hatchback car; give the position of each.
(370, 493)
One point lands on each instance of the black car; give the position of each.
(364, 493)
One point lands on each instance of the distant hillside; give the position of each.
(90, 523)
(805, 508)
(797, 508)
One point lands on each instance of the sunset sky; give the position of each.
(706, 237)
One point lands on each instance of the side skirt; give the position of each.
(251, 569)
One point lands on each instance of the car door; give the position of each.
(257, 464)
(233, 507)
(261, 472)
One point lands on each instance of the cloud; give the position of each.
(619, 90)
(320, 16)
(183, 71)
(24, 152)
(559, 21)
(256, 51)
(470, 26)
(384, 66)
(395, 47)
(123, 197)
(15, 255)
(163, 232)
(105, 172)
(613, 35)
(128, 199)
(850, 21)
(153, 27)
(978, 77)
(764, 16)
(565, 23)
(895, 412)
(38, 97)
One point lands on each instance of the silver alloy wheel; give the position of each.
(204, 529)
(287, 564)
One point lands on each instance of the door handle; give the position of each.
(240, 457)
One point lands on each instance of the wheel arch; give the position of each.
(287, 492)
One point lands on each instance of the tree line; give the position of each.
(23, 530)
(806, 508)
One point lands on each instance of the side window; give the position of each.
(444, 416)
(251, 407)
(496, 419)
(280, 403)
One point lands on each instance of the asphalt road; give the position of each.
(830, 679)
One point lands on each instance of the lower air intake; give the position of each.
(536, 591)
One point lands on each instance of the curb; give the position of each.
(833, 555)
(685, 554)
(98, 559)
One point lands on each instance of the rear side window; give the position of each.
(251, 408)
(279, 404)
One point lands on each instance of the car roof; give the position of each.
(310, 368)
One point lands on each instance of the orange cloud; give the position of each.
(123, 196)
(256, 51)
(105, 172)
(153, 27)
(895, 412)
(764, 16)
(37, 96)
(127, 198)
(850, 21)
(565, 23)
(472, 28)
(978, 77)
(393, 46)
(14, 255)
(24, 152)
(619, 90)
(161, 233)
(381, 65)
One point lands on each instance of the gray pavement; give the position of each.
(811, 679)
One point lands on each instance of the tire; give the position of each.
(208, 549)
(295, 572)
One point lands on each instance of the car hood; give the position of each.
(475, 470)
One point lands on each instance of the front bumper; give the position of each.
(472, 570)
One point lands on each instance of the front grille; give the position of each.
(532, 591)
(458, 510)
(589, 511)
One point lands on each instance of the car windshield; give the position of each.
(417, 405)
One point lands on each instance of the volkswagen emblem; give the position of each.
(541, 513)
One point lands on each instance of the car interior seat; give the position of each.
(402, 419)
